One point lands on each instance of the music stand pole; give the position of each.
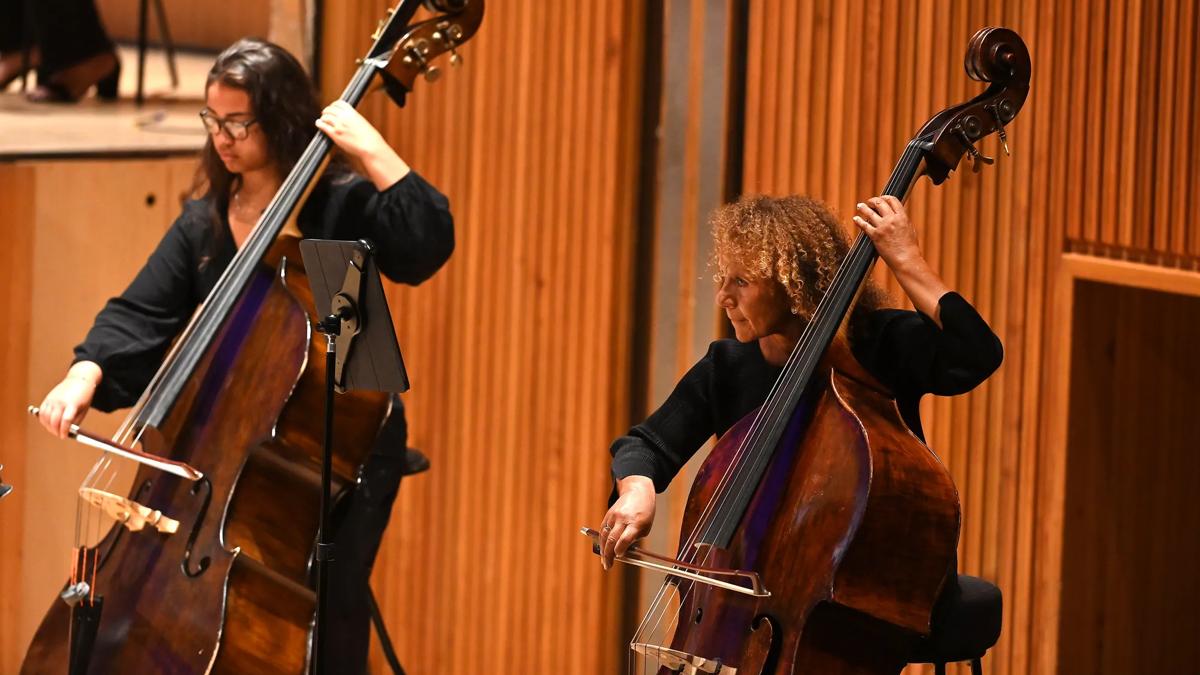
(356, 315)
(330, 326)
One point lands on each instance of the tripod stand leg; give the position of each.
(385, 641)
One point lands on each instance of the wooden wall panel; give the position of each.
(1130, 472)
(518, 349)
(16, 258)
(200, 25)
(78, 252)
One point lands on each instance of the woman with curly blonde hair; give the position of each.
(775, 258)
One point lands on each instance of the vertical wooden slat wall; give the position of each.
(118, 210)
(518, 348)
(16, 261)
(518, 352)
(1103, 164)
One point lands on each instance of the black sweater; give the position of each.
(905, 351)
(409, 223)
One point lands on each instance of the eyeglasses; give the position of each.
(235, 129)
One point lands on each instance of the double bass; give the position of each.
(820, 530)
(209, 565)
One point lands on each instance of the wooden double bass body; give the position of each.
(845, 520)
(852, 531)
(240, 399)
(230, 591)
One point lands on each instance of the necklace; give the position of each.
(237, 204)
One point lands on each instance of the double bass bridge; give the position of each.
(678, 661)
(132, 515)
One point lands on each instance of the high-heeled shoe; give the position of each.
(27, 66)
(58, 92)
(19, 74)
(106, 87)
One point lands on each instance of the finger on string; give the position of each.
(894, 202)
(868, 212)
(882, 206)
(862, 224)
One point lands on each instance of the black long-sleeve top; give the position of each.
(905, 351)
(409, 223)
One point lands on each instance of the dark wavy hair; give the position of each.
(283, 100)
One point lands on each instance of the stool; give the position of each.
(415, 462)
(965, 624)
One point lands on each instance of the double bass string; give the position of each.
(751, 444)
(772, 417)
(206, 322)
(823, 326)
(841, 291)
(181, 360)
(768, 416)
(803, 358)
(198, 334)
(170, 375)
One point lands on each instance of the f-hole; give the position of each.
(191, 543)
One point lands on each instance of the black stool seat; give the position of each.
(415, 462)
(965, 624)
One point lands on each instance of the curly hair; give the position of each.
(795, 240)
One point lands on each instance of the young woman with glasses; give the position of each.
(260, 110)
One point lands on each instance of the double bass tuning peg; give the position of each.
(415, 52)
(451, 36)
(994, 109)
(976, 157)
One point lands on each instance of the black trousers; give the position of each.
(359, 520)
(65, 32)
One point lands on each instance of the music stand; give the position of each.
(361, 353)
